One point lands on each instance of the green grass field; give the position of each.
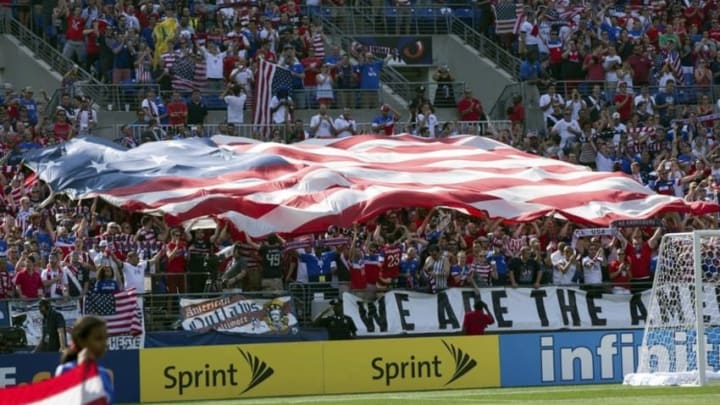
(588, 394)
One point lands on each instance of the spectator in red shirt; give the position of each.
(477, 320)
(177, 110)
(470, 108)
(75, 46)
(639, 253)
(620, 275)
(62, 129)
(623, 102)
(516, 112)
(176, 263)
(27, 281)
(641, 65)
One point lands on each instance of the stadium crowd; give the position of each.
(51, 246)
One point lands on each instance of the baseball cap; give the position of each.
(103, 243)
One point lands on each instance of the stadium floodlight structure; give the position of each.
(681, 343)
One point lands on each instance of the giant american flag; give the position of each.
(120, 310)
(264, 187)
(270, 79)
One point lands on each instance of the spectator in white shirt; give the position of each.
(427, 121)
(611, 64)
(242, 74)
(149, 107)
(134, 270)
(214, 64)
(568, 129)
(344, 124)
(235, 98)
(645, 103)
(604, 159)
(86, 117)
(321, 124)
(269, 34)
(547, 100)
(281, 107)
(592, 264)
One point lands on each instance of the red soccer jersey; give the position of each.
(372, 263)
(176, 264)
(391, 263)
(639, 260)
(177, 113)
(357, 277)
(74, 30)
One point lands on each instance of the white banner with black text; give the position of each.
(521, 309)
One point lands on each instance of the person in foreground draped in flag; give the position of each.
(89, 343)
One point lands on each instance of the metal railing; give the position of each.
(251, 131)
(128, 97)
(684, 95)
(418, 20)
(485, 46)
(441, 95)
(412, 20)
(48, 54)
(387, 75)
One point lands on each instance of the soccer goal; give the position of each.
(684, 305)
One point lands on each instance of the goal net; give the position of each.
(684, 305)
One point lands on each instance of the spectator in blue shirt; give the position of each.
(106, 284)
(30, 105)
(314, 265)
(369, 69)
(665, 99)
(532, 74)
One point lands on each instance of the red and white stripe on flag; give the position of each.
(262, 116)
(80, 386)
(508, 17)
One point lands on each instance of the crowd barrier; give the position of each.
(367, 366)
(136, 131)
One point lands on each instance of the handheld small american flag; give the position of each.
(120, 310)
(672, 58)
(508, 17)
(270, 79)
(82, 385)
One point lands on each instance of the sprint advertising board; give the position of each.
(593, 356)
(236, 371)
(411, 364)
(283, 369)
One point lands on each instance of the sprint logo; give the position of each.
(259, 370)
(463, 362)
(417, 367)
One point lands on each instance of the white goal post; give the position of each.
(681, 341)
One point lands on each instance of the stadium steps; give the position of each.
(45, 54)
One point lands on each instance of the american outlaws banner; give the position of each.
(265, 187)
(521, 309)
(238, 314)
(70, 310)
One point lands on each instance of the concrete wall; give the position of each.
(21, 68)
(480, 74)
